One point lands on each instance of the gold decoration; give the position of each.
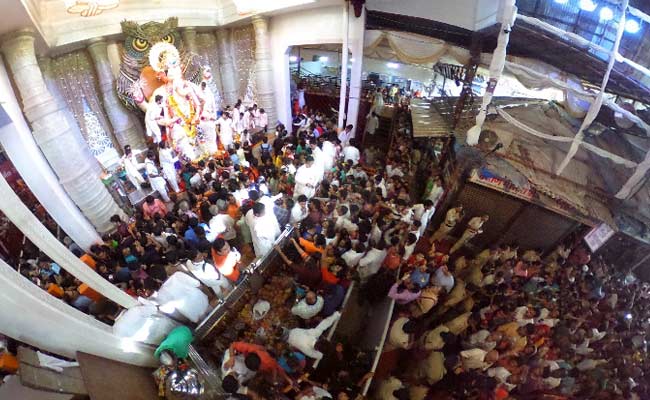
(188, 126)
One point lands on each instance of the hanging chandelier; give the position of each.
(89, 8)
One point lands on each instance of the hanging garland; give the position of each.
(188, 126)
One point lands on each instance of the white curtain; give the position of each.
(33, 316)
(38, 234)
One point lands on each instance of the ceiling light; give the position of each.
(606, 14)
(392, 65)
(351, 59)
(561, 1)
(632, 26)
(323, 59)
(588, 5)
(89, 8)
(293, 58)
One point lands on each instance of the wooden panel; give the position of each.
(110, 380)
(538, 228)
(501, 208)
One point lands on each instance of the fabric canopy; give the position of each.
(410, 48)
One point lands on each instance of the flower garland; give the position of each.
(188, 126)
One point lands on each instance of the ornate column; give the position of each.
(17, 140)
(357, 31)
(264, 68)
(114, 57)
(226, 67)
(33, 316)
(50, 81)
(123, 129)
(189, 40)
(55, 134)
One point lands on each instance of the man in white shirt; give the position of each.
(239, 370)
(156, 181)
(306, 179)
(208, 118)
(304, 340)
(353, 256)
(152, 118)
(222, 224)
(329, 153)
(308, 307)
(351, 153)
(264, 229)
(299, 210)
(345, 135)
(207, 274)
(264, 120)
(372, 124)
(371, 262)
(423, 213)
(225, 130)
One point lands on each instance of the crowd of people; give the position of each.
(493, 323)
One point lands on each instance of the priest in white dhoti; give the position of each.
(153, 119)
(132, 167)
(225, 124)
(306, 179)
(156, 181)
(264, 229)
(208, 118)
(167, 161)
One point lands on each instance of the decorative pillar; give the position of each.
(33, 316)
(264, 68)
(344, 66)
(123, 129)
(357, 32)
(45, 63)
(19, 145)
(227, 67)
(189, 40)
(114, 57)
(207, 44)
(55, 134)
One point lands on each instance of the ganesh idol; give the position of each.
(182, 101)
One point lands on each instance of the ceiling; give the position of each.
(60, 29)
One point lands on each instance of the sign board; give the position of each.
(598, 236)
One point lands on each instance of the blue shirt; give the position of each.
(332, 300)
(285, 365)
(191, 237)
(234, 159)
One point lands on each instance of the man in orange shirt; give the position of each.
(317, 246)
(268, 365)
(226, 259)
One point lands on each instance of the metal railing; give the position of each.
(256, 268)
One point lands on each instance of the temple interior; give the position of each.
(325, 199)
